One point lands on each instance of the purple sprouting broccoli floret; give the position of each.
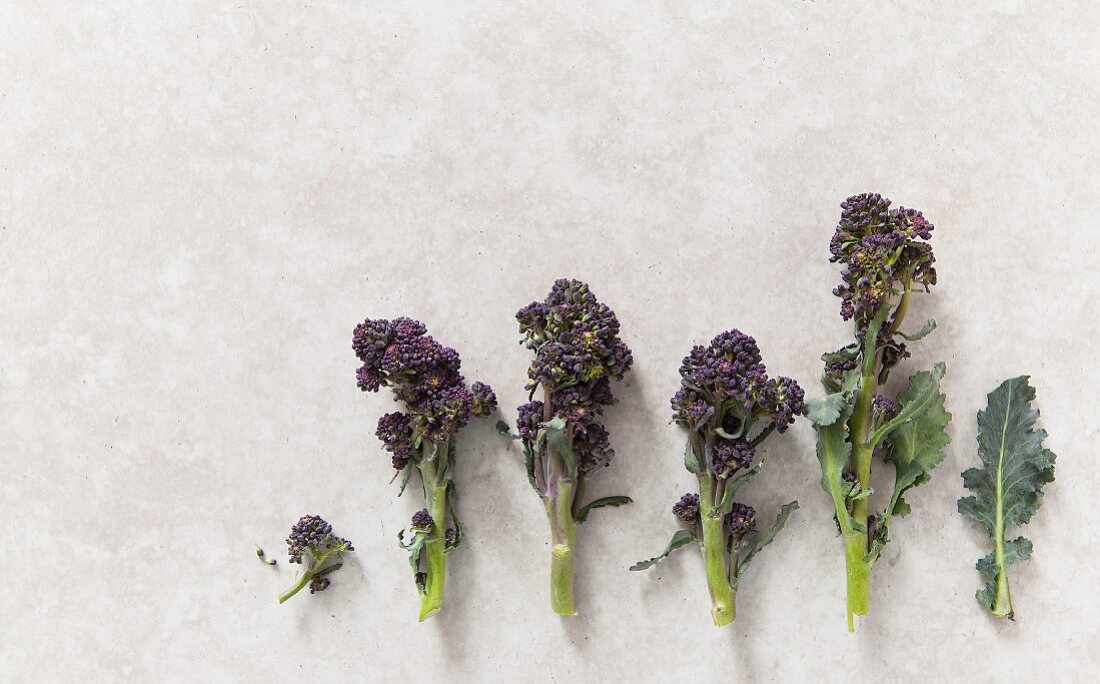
(687, 508)
(741, 519)
(313, 545)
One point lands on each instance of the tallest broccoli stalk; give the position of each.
(425, 376)
(886, 259)
(578, 353)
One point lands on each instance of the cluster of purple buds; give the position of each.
(741, 519)
(311, 533)
(424, 375)
(881, 248)
(731, 455)
(730, 370)
(422, 520)
(883, 408)
(319, 584)
(578, 352)
(687, 509)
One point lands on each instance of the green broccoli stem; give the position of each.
(307, 576)
(857, 567)
(431, 601)
(563, 528)
(722, 593)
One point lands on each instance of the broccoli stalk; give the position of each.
(312, 544)
(728, 406)
(426, 377)
(886, 257)
(578, 353)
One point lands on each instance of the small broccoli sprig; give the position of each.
(728, 406)
(886, 258)
(577, 354)
(313, 545)
(425, 376)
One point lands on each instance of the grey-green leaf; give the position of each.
(559, 441)
(824, 411)
(833, 451)
(582, 515)
(928, 327)
(764, 539)
(916, 445)
(691, 459)
(681, 538)
(1008, 488)
(732, 485)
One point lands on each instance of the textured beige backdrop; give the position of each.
(198, 201)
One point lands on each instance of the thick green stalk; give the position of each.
(431, 601)
(307, 575)
(563, 528)
(855, 543)
(722, 593)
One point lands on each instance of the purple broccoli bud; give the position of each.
(422, 520)
(742, 519)
(484, 399)
(687, 508)
(731, 455)
(311, 533)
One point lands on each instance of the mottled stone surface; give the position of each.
(199, 200)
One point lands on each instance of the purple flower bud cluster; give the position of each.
(424, 375)
(319, 584)
(578, 352)
(687, 509)
(883, 408)
(730, 370)
(881, 248)
(422, 520)
(311, 533)
(741, 519)
(731, 455)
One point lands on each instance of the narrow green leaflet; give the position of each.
(558, 438)
(1008, 488)
(582, 515)
(833, 450)
(916, 446)
(415, 547)
(681, 538)
(928, 327)
(732, 485)
(764, 539)
(691, 460)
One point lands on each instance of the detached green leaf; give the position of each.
(916, 446)
(681, 538)
(928, 327)
(582, 515)
(1008, 488)
(765, 539)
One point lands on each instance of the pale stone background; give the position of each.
(198, 201)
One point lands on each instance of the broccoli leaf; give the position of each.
(916, 446)
(1008, 488)
(681, 538)
(732, 485)
(824, 411)
(691, 459)
(582, 515)
(928, 327)
(559, 441)
(833, 450)
(505, 431)
(415, 547)
(764, 539)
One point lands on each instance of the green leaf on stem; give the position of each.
(916, 446)
(928, 327)
(582, 515)
(691, 459)
(558, 437)
(833, 451)
(732, 485)
(764, 539)
(681, 538)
